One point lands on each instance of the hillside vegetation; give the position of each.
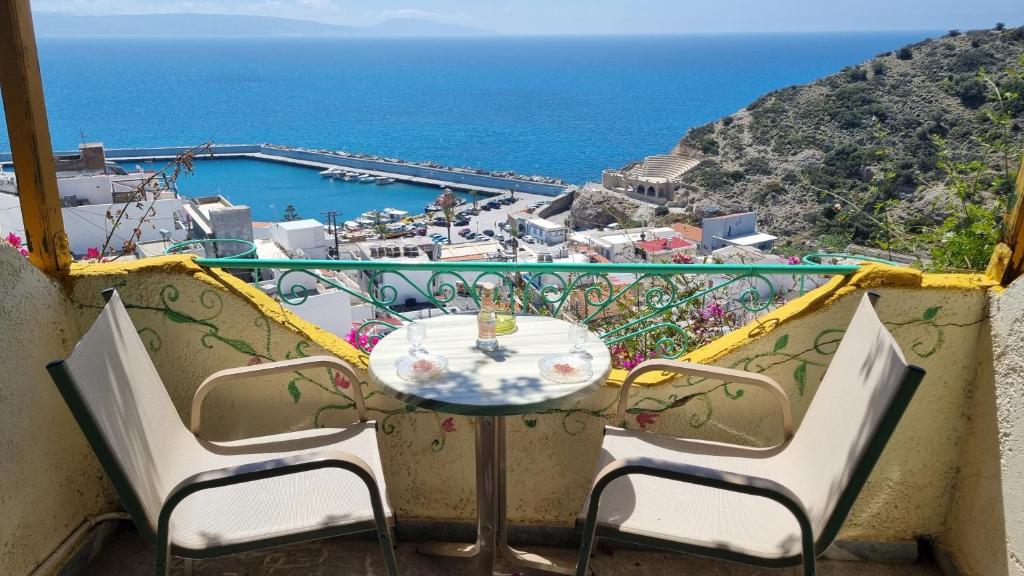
(882, 153)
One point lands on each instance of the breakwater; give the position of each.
(425, 173)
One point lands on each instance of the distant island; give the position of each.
(54, 24)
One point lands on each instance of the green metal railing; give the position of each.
(644, 310)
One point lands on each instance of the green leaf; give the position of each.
(800, 375)
(931, 313)
(781, 342)
(240, 345)
(531, 423)
(294, 392)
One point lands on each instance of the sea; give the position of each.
(566, 107)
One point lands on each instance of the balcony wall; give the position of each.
(196, 321)
(985, 529)
(50, 482)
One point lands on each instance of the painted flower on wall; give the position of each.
(645, 419)
(448, 424)
(341, 382)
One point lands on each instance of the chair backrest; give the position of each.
(860, 400)
(115, 394)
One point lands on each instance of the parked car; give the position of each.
(506, 201)
(470, 236)
(464, 231)
(488, 233)
(529, 239)
(485, 207)
(421, 231)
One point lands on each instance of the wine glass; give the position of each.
(416, 334)
(578, 335)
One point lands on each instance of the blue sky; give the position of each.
(601, 16)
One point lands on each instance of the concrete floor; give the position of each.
(128, 554)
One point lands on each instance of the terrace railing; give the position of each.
(640, 310)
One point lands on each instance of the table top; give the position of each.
(480, 383)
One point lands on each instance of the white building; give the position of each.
(734, 230)
(304, 238)
(540, 229)
(618, 245)
(91, 189)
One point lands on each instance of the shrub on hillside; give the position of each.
(904, 53)
(661, 211)
(971, 91)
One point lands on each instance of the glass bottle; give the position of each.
(486, 319)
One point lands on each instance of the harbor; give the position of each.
(421, 173)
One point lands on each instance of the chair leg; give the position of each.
(188, 566)
(809, 565)
(388, 545)
(587, 543)
(163, 559)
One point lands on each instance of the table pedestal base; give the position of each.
(492, 526)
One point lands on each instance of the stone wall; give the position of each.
(985, 532)
(50, 482)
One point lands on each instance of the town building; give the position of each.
(734, 230)
(666, 249)
(214, 217)
(93, 194)
(621, 245)
(540, 229)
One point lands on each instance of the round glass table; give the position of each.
(489, 386)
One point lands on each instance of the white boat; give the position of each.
(332, 173)
(394, 214)
(385, 181)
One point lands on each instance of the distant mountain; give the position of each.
(230, 26)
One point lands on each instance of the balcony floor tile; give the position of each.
(128, 554)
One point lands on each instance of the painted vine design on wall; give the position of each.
(261, 350)
(927, 338)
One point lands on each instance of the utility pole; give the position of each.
(332, 218)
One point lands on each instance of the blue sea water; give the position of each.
(268, 187)
(565, 107)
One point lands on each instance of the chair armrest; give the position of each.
(281, 367)
(712, 373)
(269, 469)
(712, 478)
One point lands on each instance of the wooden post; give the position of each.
(1013, 231)
(29, 133)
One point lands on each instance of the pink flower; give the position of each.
(254, 361)
(644, 419)
(448, 425)
(92, 253)
(24, 252)
(341, 382)
(793, 260)
(714, 310)
(14, 240)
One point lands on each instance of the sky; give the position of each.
(600, 16)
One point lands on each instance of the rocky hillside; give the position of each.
(865, 134)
